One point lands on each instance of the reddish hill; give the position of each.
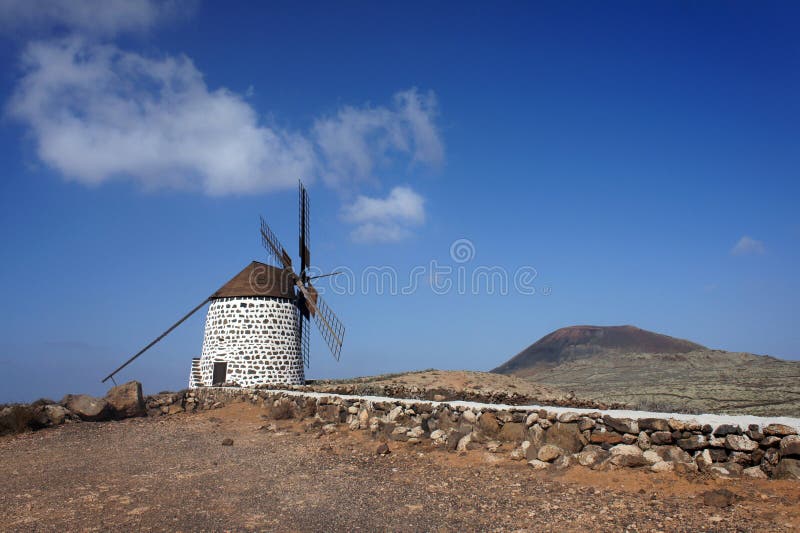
(578, 342)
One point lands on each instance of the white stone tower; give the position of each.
(252, 334)
(258, 324)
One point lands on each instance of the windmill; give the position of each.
(257, 327)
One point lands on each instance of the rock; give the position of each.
(662, 466)
(439, 437)
(416, 432)
(643, 441)
(512, 432)
(623, 425)
(718, 455)
(703, 459)
(676, 425)
(592, 456)
(536, 435)
(565, 436)
(727, 429)
(655, 424)
(463, 443)
(788, 469)
(126, 400)
(790, 446)
(719, 498)
(661, 437)
(754, 472)
(493, 446)
(772, 440)
(383, 449)
(685, 468)
(87, 407)
(568, 417)
(536, 464)
(548, 453)
(772, 456)
(400, 433)
(627, 438)
(175, 408)
(673, 454)
(605, 437)
(329, 429)
(395, 413)
(740, 443)
(531, 419)
(544, 423)
(227, 442)
(585, 423)
(469, 416)
(488, 424)
(716, 442)
(363, 419)
(652, 457)
(779, 430)
(563, 461)
(56, 414)
(627, 455)
(438, 398)
(695, 442)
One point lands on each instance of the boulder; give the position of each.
(126, 400)
(512, 432)
(654, 424)
(790, 446)
(754, 472)
(605, 437)
(56, 414)
(567, 417)
(536, 464)
(548, 453)
(694, 442)
(643, 441)
(585, 423)
(488, 424)
(592, 456)
(727, 429)
(788, 469)
(652, 457)
(662, 466)
(623, 425)
(672, 454)
(740, 443)
(566, 436)
(661, 437)
(703, 459)
(531, 419)
(779, 430)
(627, 455)
(87, 407)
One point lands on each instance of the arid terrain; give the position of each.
(173, 473)
(650, 371)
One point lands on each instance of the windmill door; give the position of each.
(220, 373)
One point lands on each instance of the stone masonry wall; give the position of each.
(257, 337)
(543, 438)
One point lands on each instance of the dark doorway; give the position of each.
(220, 373)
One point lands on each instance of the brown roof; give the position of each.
(258, 279)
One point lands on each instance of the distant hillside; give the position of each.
(624, 364)
(579, 342)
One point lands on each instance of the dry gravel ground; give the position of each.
(173, 474)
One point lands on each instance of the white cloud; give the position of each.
(355, 141)
(386, 219)
(88, 17)
(99, 113)
(747, 245)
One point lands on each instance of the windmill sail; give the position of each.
(305, 236)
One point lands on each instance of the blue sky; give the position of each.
(641, 157)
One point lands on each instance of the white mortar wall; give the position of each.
(257, 337)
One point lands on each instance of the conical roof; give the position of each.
(258, 279)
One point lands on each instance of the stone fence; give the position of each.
(544, 438)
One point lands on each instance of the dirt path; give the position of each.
(174, 474)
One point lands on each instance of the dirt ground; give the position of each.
(173, 474)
